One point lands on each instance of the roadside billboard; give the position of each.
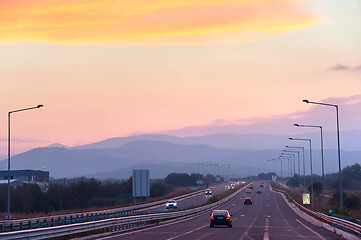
(141, 183)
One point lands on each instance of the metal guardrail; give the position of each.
(337, 222)
(114, 224)
(357, 221)
(50, 221)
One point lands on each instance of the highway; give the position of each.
(268, 218)
(194, 200)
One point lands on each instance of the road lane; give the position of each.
(268, 218)
(194, 200)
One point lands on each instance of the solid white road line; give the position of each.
(180, 235)
(317, 234)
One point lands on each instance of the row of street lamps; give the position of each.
(287, 154)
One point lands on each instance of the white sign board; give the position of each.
(141, 183)
(306, 198)
(274, 178)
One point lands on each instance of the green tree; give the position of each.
(158, 189)
(317, 188)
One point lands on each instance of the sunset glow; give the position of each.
(150, 21)
(106, 69)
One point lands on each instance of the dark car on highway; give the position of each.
(258, 192)
(248, 201)
(220, 217)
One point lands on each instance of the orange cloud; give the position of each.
(150, 21)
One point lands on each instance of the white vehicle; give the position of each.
(208, 191)
(171, 204)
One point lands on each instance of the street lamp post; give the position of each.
(338, 144)
(299, 172)
(279, 159)
(309, 140)
(304, 168)
(294, 168)
(273, 160)
(9, 151)
(288, 158)
(323, 168)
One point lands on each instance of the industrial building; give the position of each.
(28, 176)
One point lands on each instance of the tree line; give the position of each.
(83, 193)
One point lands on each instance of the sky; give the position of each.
(105, 69)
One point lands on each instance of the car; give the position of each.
(247, 201)
(258, 192)
(227, 187)
(248, 191)
(251, 187)
(220, 217)
(208, 192)
(171, 204)
(261, 185)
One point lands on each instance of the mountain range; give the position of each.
(162, 154)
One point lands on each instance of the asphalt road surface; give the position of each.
(194, 200)
(268, 218)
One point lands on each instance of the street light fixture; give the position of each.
(273, 160)
(304, 168)
(323, 168)
(310, 142)
(9, 114)
(338, 144)
(279, 159)
(288, 158)
(294, 168)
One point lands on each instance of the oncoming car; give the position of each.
(220, 217)
(208, 192)
(171, 204)
(248, 191)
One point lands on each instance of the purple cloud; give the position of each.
(339, 67)
(357, 68)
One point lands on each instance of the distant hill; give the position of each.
(239, 141)
(162, 170)
(62, 162)
(57, 145)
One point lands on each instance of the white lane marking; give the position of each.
(266, 236)
(317, 234)
(186, 233)
(150, 228)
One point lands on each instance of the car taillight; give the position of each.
(212, 217)
(228, 217)
(245, 200)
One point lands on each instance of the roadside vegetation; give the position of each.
(84, 194)
(351, 181)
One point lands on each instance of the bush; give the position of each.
(352, 202)
(157, 190)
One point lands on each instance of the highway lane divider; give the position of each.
(345, 225)
(109, 225)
